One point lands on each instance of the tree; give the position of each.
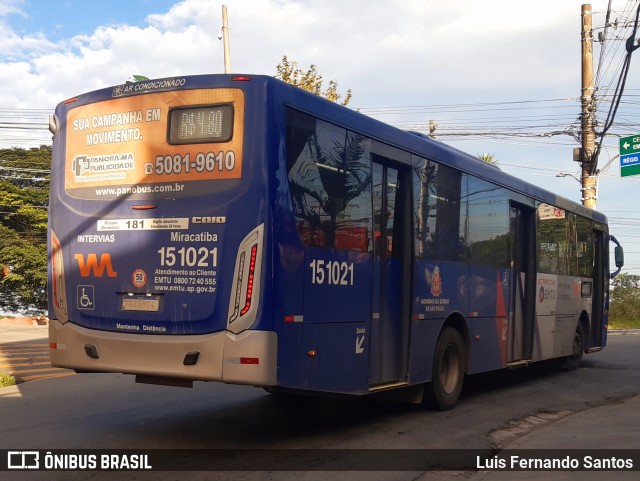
(625, 286)
(311, 81)
(488, 158)
(625, 297)
(24, 193)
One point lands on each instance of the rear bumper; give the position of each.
(246, 358)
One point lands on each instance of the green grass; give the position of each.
(624, 323)
(7, 380)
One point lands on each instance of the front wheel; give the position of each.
(447, 377)
(572, 362)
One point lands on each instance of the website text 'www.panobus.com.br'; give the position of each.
(140, 189)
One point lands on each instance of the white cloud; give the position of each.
(416, 46)
(12, 7)
(182, 15)
(14, 46)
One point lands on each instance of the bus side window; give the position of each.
(330, 183)
(439, 227)
(488, 222)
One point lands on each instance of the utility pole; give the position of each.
(225, 35)
(587, 158)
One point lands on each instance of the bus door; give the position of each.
(522, 286)
(389, 326)
(598, 275)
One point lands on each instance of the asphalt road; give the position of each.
(110, 411)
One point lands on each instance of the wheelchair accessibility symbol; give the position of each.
(86, 298)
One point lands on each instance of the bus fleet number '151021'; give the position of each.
(188, 257)
(333, 273)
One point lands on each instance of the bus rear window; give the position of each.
(201, 124)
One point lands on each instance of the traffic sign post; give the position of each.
(630, 155)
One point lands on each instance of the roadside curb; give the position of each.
(623, 332)
(611, 420)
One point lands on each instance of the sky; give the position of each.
(500, 77)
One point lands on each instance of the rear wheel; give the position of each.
(448, 371)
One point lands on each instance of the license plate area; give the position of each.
(141, 303)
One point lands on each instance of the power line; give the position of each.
(630, 47)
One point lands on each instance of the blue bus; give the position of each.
(234, 228)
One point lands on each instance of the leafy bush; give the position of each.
(7, 380)
(625, 300)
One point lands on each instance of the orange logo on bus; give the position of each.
(92, 265)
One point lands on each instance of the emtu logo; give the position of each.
(95, 267)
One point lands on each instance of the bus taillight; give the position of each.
(144, 207)
(252, 271)
(246, 282)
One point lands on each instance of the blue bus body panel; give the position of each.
(343, 280)
(337, 365)
(445, 288)
(337, 311)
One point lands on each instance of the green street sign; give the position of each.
(630, 170)
(630, 145)
(630, 156)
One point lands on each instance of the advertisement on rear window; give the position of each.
(167, 144)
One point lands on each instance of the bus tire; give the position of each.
(447, 376)
(572, 362)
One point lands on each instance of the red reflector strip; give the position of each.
(249, 360)
(293, 318)
(242, 360)
(53, 345)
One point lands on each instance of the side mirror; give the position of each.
(619, 256)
